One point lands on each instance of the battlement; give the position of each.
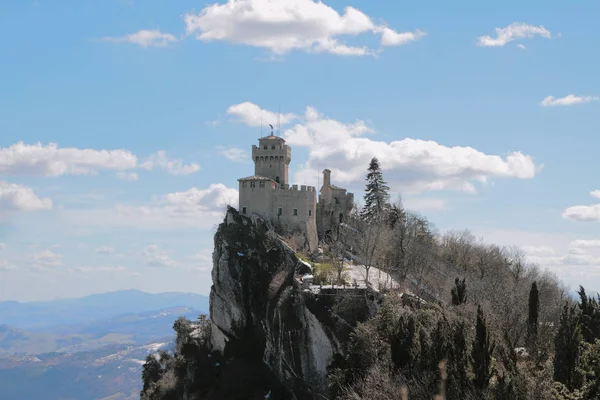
(303, 188)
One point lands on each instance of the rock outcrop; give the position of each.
(258, 310)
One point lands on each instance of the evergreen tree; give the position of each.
(534, 310)
(459, 292)
(567, 347)
(590, 316)
(376, 192)
(481, 353)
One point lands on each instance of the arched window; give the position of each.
(277, 179)
(257, 158)
(271, 158)
(262, 159)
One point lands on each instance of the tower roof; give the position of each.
(272, 137)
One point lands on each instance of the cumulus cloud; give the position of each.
(50, 160)
(514, 31)
(15, 197)
(253, 115)
(45, 258)
(233, 153)
(412, 165)
(23, 159)
(583, 213)
(173, 167)
(568, 100)
(145, 38)
(127, 176)
(86, 269)
(155, 256)
(194, 208)
(585, 243)
(283, 26)
(104, 250)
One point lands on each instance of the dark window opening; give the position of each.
(295, 211)
(279, 211)
(341, 218)
(262, 184)
(337, 201)
(309, 213)
(277, 179)
(273, 147)
(252, 184)
(244, 210)
(270, 166)
(265, 147)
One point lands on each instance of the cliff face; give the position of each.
(259, 312)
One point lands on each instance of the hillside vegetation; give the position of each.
(480, 322)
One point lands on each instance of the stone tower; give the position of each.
(272, 158)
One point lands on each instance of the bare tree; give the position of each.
(337, 247)
(368, 243)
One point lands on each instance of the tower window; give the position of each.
(252, 184)
(273, 147)
(295, 211)
(262, 184)
(277, 179)
(279, 211)
(310, 213)
(244, 210)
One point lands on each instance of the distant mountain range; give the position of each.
(90, 348)
(45, 314)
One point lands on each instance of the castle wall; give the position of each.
(256, 198)
(303, 199)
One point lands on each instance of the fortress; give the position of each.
(292, 210)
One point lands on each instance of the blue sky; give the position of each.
(125, 124)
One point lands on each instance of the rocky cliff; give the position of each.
(258, 309)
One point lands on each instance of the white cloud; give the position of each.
(2, 245)
(145, 38)
(50, 160)
(283, 26)
(253, 115)
(15, 197)
(585, 243)
(521, 46)
(5, 265)
(568, 100)
(155, 256)
(173, 167)
(589, 213)
(233, 153)
(411, 165)
(86, 269)
(104, 250)
(127, 176)
(194, 208)
(538, 250)
(45, 258)
(514, 31)
(424, 204)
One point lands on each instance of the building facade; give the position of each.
(291, 208)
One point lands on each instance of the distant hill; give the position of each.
(88, 348)
(42, 315)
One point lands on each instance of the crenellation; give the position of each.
(292, 208)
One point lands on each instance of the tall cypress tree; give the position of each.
(459, 292)
(534, 310)
(481, 353)
(376, 193)
(567, 347)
